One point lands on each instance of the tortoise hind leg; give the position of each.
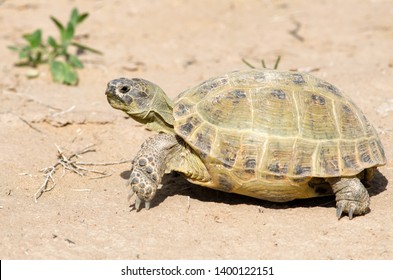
(351, 196)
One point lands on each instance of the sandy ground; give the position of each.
(177, 44)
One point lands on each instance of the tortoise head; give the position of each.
(142, 100)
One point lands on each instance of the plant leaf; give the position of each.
(58, 23)
(75, 62)
(57, 69)
(68, 33)
(82, 17)
(74, 17)
(70, 75)
(83, 47)
(52, 42)
(23, 54)
(13, 48)
(248, 63)
(34, 39)
(63, 72)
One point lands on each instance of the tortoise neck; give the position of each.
(163, 107)
(158, 123)
(159, 116)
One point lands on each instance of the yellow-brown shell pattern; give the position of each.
(270, 126)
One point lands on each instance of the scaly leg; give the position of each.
(149, 166)
(158, 155)
(351, 196)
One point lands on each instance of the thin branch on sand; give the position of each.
(67, 162)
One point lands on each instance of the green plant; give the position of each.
(63, 64)
(263, 63)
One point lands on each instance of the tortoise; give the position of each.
(268, 134)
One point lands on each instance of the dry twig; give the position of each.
(64, 111)
(74, 166)
(27, 122)
(295, 32)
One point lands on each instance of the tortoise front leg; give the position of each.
(158, 155)
(351, 196)
(149, 166)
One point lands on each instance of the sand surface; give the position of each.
(178, 44)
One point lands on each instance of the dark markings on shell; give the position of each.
(260, 77)
(329, 87)
(278, 168)
(181, 109)
(278, 93)
(212, 84)
(239, 94)
(229, 162)
(230, 155)
(203, 143)
(317, 99)
(301, 170)
(235, 96)
(365, 157)
(347, 109)
(225, 184)
(298, 79)
(273, 167)
(217, 99)
(349, 161)
(186, 128)
(189, 125)
(249, 165)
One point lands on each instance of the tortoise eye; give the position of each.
(124, 89)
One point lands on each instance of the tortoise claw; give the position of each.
(339, 211)
(352, 209)
(137, 204)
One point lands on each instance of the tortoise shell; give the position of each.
(269, 134)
